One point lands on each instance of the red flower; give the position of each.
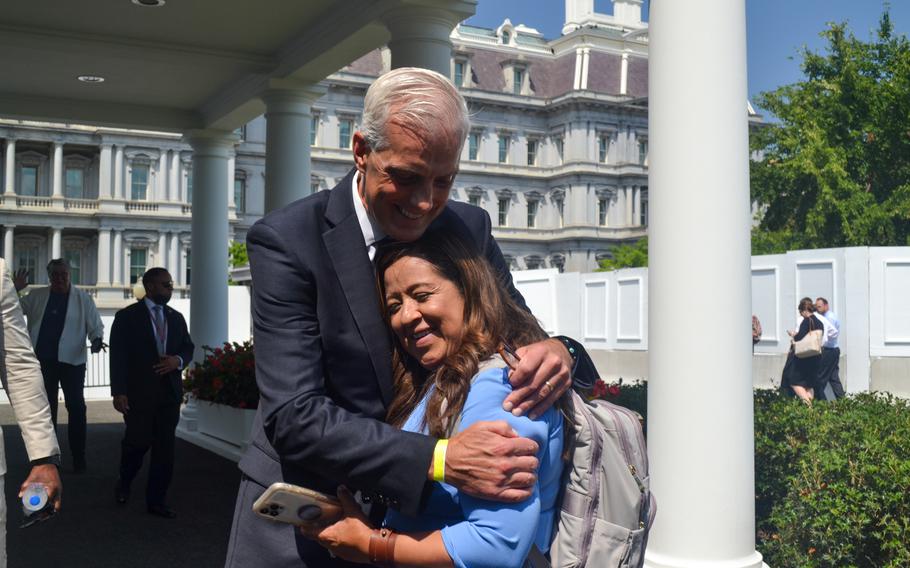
(217, 384)
(241, 404)
(613, 390)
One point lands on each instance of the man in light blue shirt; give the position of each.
(829, 368)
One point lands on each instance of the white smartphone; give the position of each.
(286, 503)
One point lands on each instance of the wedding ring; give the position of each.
(549, 387)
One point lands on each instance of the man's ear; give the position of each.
(361, 150)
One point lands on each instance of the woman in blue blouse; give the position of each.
(450, 317)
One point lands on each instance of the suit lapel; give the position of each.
(348, 255)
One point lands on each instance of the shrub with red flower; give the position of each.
(633, 396)
(227, 375)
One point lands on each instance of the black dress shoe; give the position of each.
(121, 492)
(162, 511)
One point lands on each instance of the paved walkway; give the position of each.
(93, 531)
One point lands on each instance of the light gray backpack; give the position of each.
(606, 504)
(607, 508)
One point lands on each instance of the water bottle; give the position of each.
(34, 498)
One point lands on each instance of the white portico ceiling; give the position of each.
(184, 65)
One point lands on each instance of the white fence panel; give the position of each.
(889, 286)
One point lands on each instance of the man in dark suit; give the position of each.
(323, 352)
(149, 345)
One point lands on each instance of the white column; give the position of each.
(624, 74)
(585, 62)
(209, 308)
(57, 171)
(173, 186)
(118, 172)
(56, 242)
(700, 431)
(10, 170)
(104, 257)
(162, 176)
(118, 257)
(104, 172)
(173, 256)
(9, 235)
(232, 165)
(636, 206)
(420, 35)
(287, 144)
(162, 251)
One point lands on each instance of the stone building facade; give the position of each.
(557, 155)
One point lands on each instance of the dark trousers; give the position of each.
(72, 379)
(829, 372)
(150, 427)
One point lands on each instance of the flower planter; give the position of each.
(226, 423)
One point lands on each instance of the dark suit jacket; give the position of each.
(133, 353)
(323, 352)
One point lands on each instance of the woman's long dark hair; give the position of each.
(490, 315)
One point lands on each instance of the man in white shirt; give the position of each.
(829, 368)
(60, 317)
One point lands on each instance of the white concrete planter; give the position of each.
(226, 423)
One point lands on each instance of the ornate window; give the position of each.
(603, 147)
(138, 263)
(188, 267)
(504, 142)
(602, 208)
(558, 145)
(503, 205)
(139, 180)
(27, 259)
(643, 151)
(314, 129)
(73, 257)
(240, 191)
(31, 166)
(532, 151)
(345, 131)
(473, 145)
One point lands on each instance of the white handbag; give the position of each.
(811, 344)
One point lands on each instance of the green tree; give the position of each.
(237, 254)
(626, 256)
(835, 169)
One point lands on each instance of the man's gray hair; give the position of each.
(58, 262)
(419, 100)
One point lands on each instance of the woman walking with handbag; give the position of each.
(805, 352)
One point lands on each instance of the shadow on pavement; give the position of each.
(94, 531)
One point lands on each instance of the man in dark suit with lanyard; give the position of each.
(150, 346)
(323, 353)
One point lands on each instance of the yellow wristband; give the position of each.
(439, 461)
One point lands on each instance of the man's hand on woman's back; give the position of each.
(490, 461)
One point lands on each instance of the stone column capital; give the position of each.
(211, 143)
(287, 96)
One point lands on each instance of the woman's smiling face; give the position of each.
(426, 310)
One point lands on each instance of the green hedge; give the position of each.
(832, 481)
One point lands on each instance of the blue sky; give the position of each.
(776, 29)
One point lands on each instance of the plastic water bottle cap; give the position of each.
(34, 500)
